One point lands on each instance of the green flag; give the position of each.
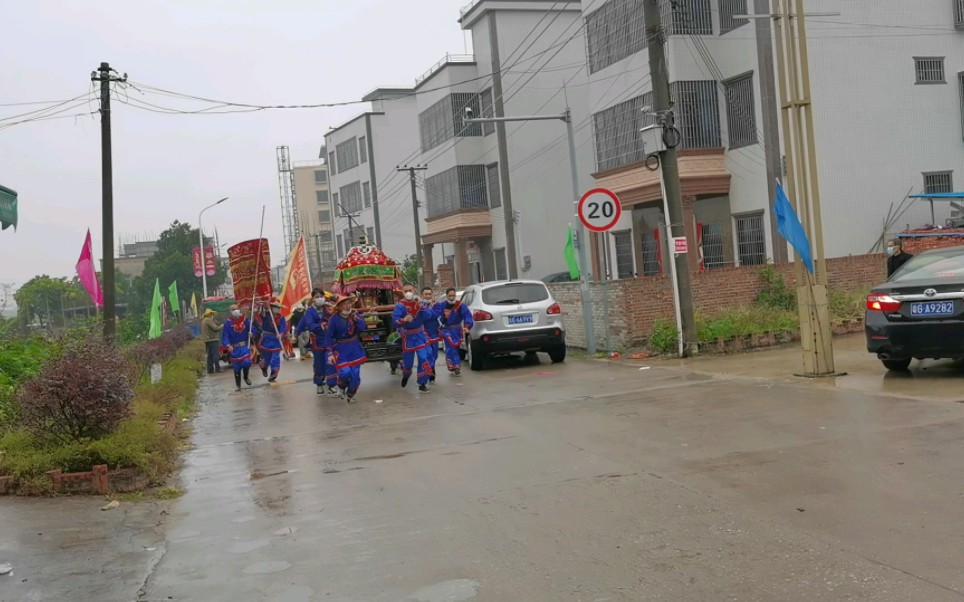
(8, 208)
(173, 298)
(570, 253)
(156, 328)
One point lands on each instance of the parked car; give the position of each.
(513, 316)
(919, 311)
(558, 277)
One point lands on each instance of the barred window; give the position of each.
(324, 236)
(494, 185)
(347, 154)
(729, 8)
(929, 70)
(501, 267)
(457, 188)
(351, 197)
(936, 182)
(488, 110)
(651, 265)
(697, 113)
(624, 254)
(613, 32)
(750, 239)
(321, 196)
(713, 246)
(446, 119)
(690, 17)
(741, 111)
(367, 194)
(363, 150)
(958, 13)
(321, 176)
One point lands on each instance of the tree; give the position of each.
(410, 271)
(42, 299)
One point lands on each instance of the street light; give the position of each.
(200, 237)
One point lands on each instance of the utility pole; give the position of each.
(105, 75)
(418, 227)
(656, 38)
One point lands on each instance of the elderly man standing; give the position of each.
(211, 332)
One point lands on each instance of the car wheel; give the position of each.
(557, 354)
(475, 356)
(897, 365)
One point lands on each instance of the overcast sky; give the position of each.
(168, 167)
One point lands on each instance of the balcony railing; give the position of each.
(449, 58)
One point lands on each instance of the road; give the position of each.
(587, 481)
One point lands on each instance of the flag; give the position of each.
(173, 298)
(194, 305)
(570, 253)
(8, 208)
(297, 281)
(790, 228)
(87, 274)
(156, 327)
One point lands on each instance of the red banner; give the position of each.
(197, 262)
(251, 274)
(297, 284)
(210, 261)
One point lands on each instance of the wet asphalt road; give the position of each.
(587, 481)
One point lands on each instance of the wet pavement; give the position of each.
(720, 479)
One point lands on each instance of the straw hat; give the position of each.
(345, 299)
(277, 303)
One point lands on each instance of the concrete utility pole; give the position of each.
(105, 75)
(418, 227)
(659, 75)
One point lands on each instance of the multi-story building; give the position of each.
(315, 216)
(888, 96)
(370, 197)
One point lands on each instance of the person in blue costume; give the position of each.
(456, 320)
(345, 350)
(314, 322)
(409, 318)
(270, 330)
(432, 330)
(234, 336)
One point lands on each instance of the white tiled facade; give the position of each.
(315, 217)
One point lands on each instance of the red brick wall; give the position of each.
(927, 243)
(636, 303)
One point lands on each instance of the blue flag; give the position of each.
(788, 224)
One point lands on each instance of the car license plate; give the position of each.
(523, 319)
(932, 308)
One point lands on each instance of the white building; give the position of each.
(315, 217)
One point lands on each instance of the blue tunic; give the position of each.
(264, 332)
(432, 326)
(341, 337)
(315, 322)
(235, 335)
(414, 335)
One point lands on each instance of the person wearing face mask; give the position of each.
(345, 350)
(409, 318)
(456, 320)
(432, 330)
(234, 336)
(270, 331)
(896, 257)
(314, 323)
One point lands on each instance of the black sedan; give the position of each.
(919, 311)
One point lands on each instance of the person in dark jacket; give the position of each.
(896, 256)
(302, 341)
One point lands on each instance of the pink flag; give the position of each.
(87, 273)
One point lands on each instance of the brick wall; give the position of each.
(952, 237)
(636, 303)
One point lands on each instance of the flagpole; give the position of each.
(257, 272)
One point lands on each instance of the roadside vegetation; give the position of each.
(775, 310)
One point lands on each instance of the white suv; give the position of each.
(513, 316)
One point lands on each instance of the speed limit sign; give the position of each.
(599, 209)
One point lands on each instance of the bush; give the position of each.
(19, 359)
(664, 337)
(156, 351)
(775, 293)
(82, 394)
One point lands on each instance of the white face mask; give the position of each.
(890, 250)
(320, 302)
(409, 295)
(236, 313)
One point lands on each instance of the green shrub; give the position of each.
(775, 293)
(664, 337)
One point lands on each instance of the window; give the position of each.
(347, 154)
(930, 70)
(328, 258)
(729, 8)
(712, 235)
(321, 196)
(501, 268)
(698, 113)
(340, 245)
(351, 197)
(324, 236)
(514, 293)
(493, 184)
(367, 194)
(691, 17)
(445, 120)
(624, 254)
(959, 14)
(488, 110)
(321, 176)
(460, 187)
(334, 200)
(324, 216)
(614, 32)
(741, 111)
(938, 181)
(651, 260)
(371, 235)
(363, 150)
(751, 242)
(331, 162)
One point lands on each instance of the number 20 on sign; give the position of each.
(599, 209)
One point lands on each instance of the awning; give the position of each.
(934, 196)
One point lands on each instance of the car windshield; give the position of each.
(515, 293)
(930, 267)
